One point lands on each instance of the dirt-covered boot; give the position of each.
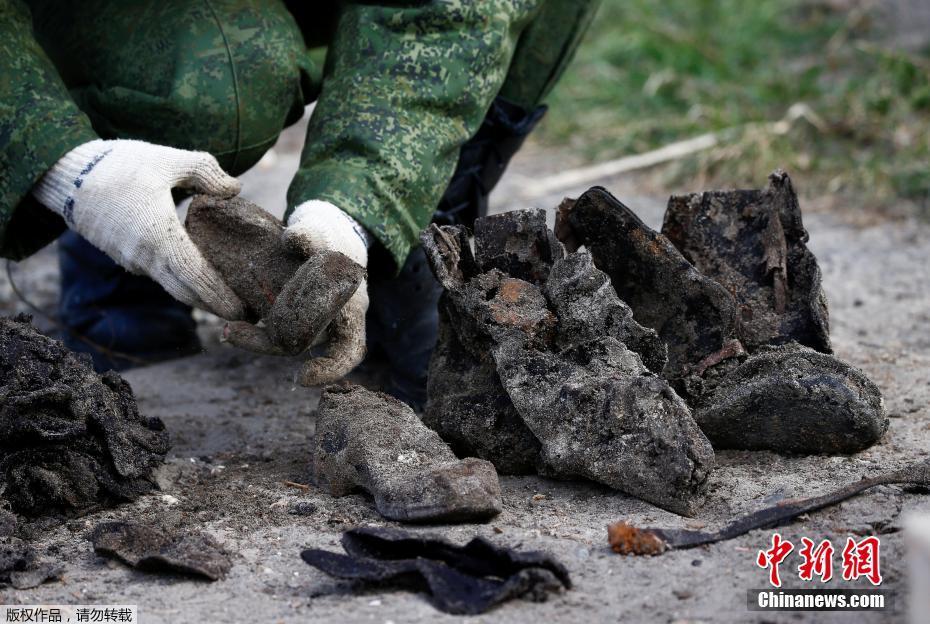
(752, 242)
(567, 357)
(295, 297)
(796, 397)
(467, 405)
(729, 279)
(372, 442)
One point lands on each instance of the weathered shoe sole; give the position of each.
(466, 490)
(792, 399)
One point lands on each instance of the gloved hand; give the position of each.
(117, 195)
(315, 226)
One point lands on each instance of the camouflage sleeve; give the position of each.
(405, 87)
(39, 123)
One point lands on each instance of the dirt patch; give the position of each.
(70, 439)
(22, 568)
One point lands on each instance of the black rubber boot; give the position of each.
(402, 325)
(483, 160)
(116, 312)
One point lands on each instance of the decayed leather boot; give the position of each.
(732, 288)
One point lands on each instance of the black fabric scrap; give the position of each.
(465, 580)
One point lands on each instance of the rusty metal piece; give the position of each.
(731, 349)
(626, 539)
(782, 512)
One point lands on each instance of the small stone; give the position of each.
(302, 508)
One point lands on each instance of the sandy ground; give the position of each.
(241, 426)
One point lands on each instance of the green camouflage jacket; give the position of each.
(404, 85)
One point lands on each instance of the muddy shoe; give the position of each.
(372, 442)
(596, 409)
(793, 399)
(753, 243)
(469, 408)
(600, 414)
(295, 298)
(566, 356)
(753, 283)
(466, 404)
(694, 315)
(588, 309)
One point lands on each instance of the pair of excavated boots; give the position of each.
(612, 363)
(735, 294)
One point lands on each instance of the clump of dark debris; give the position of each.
(465, 580)
(564, 355)
(70, 439)
(162, 550)
(295, 297)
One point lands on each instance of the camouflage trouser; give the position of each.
(401, 89)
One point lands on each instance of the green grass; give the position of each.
(650, 73)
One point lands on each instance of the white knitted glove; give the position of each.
(318, 225)
(117, 195)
